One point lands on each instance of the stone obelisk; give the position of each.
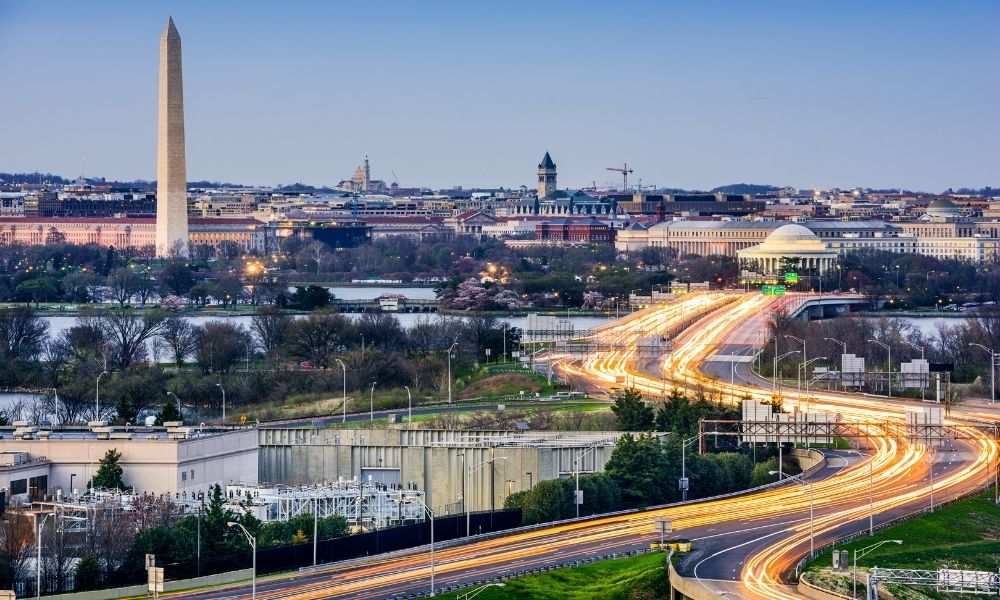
(171, 176)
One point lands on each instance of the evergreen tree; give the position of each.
(633, 414)
(638, 466)
(109, 472)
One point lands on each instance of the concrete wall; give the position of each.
(168, 586)
(432, 459)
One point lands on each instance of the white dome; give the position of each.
(791, 233)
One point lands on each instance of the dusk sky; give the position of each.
(692, 95)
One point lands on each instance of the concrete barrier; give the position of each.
(817, 593)
(682, 588)
(809, 460)
(169, 586)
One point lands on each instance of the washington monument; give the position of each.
(171, 176)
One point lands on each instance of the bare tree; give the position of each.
(122, 285)
(179, 336)
(126, 332)
(16, 542)
(22, 335)
(270, 327)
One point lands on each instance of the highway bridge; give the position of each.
(744, 544)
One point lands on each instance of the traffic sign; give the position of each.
(154, 582)
(663, 525)
(791, 278)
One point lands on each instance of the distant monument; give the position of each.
(171, 175)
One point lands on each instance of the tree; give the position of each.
(22, 335)
(380, 330)
(311, 297)
(638, 466)
(37, 290)
(228, 291)
(126, 332)
(219, 345)
(179, 336)
(633, 414)
(318, 337)
(169, 413)
(109, 472)
(17, 538)
(87, 573)
(269, 326)
(122, 285)
(176, 277)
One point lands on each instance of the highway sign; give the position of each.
(663, 525)
(154, 582)
(791, 278)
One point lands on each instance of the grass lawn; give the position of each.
(635, 578)
(965, 535)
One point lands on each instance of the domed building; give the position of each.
(941, 208)
(790, 244)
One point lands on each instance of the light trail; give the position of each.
(896, 469)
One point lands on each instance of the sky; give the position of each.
(690, 94)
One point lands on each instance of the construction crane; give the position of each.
(624, 170)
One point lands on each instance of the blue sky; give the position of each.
(690, 94)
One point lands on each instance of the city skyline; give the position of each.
(448, 95)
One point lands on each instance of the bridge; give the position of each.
(386, 304)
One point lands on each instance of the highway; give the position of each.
(745, 543)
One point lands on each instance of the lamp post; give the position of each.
(860, 554)
(803, 342)
(993, 369)
(922, 381)
(801, 372)
(409, 407)
(576, 469)
(178, 403)
(450, 350)
(253, 547)
(684, 479)
(843, 345)
(777, 359)
(38, 559)
(344, 400)
(97, 397)
(219, 385)
(888, 349)
(472, 469)
(430, 513)
(371, 405)
(812, 532)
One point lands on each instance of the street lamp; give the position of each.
(476, 592)
(219, 385)
(860, 554)
(472, 469)
(684, 479)
(38, 560)
(371, 405)
(843, 345)
(97, 397)
(253, 547)
(576, 469)
(800, 373)
(812, 532)
(430, 513)
(777, 359)
(993, 368)
(450, 350)
(178, 403)
(344, 401)
(888, 349)
(801, 341)
(409, 407)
